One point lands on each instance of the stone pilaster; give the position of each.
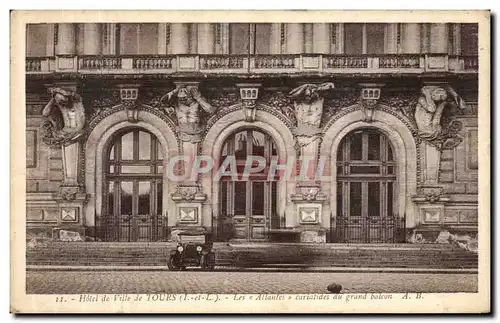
(391, 39)
(91, 39)
(439, 38)
(308, 38)
(206, 38)
(109, 33)
(66, 37)
(179, 38)
(162, 38)
(275, 39)
(430, 197)
(71, 196)
(321, 38)
(411, 40)
(294, 38)
(188, 196)
(308, 103)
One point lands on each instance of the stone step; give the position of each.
(165, 252)
(160, 245)
(256, 254)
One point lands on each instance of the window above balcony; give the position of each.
(250, 39)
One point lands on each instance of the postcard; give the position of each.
(250, 162)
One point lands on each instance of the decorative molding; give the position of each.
(260, 106)
(337, 103)
(129, 96)
(71, 192)
(104, 100)
(69, 214)
(188, 192)
(370, 94)
(309, 213)
(430, 194)
(280, 101)
(188, 214)
(249, 93)
(308, 192)
(222, 99)
(344, 111)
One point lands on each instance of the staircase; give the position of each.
(429, 256)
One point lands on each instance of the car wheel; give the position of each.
(172, 264)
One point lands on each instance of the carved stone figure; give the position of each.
(308, 104)
(64, 118)
(186, 100)
(430, 107)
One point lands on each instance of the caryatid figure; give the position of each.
(308, 103)
(430, 107)
(186, 99)
(65, 118)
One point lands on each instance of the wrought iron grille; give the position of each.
(384, 229)
(129, 228)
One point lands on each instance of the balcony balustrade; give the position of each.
(98, 63)
(254, 64)
(274, 62)
(40, 65)
(400, 61)
(345, 61)
(471, 62)
(152, 63)
(221, 62)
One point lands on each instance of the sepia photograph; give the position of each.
(228, 161)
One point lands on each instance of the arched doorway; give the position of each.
(366, 208)
(248, 205)
(133, 188)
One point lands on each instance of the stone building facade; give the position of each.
(389, 111)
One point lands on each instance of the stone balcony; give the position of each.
(254, 64)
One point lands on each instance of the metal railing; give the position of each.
(358, 229)
(129, 228)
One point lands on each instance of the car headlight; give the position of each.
(180, 248)
(198, 248)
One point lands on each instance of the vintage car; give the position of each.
(194, 248)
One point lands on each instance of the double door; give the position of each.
(249, 209)
(366, 189)
(134, 211)
(133, 189)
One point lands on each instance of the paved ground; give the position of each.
(133, 282)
